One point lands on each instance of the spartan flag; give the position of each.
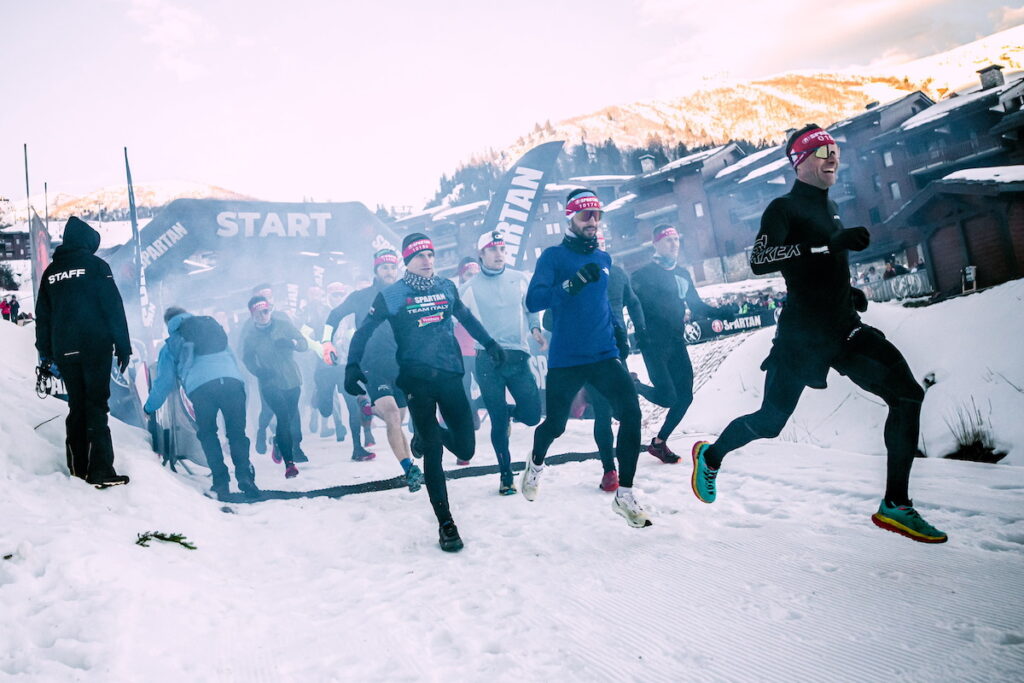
(40, 239)
(514, 204)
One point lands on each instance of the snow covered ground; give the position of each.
(783, 578)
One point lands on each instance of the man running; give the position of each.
(420, 307)
(666, 290)
(620, 295)
(586, 344)
(268, 350)
(497, 298)
(379, 362)
(802, 236)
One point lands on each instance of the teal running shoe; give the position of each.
(906, 521)
(414, 478)
(703, 479)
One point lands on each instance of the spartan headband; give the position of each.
(805, 145)
(585, 201)
(415, 247)
(668, 231)
(385, 256)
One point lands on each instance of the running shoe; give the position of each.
(448, 537)
(703, 479)
(625, 504)
(530, 481)
(906, 521)
(291, 471)
(610, 481)
(275, 455)
(414, 478)
(363, 455)
(662, 452)
(507, 487)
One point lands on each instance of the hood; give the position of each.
(174, 323)
(79, 236)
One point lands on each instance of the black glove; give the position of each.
(353, 376)
(591, 272)
(285, 344)
(640, 337)
(495, 351)
(622, 341)
(122, 361)
(852, 239)
(859, 299)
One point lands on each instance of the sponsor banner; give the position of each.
(514, 205)
(899, 287)
(703, 330)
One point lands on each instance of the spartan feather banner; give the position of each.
(515, 203)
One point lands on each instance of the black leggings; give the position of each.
(515, 376)
(285, 406)
(671, 374)
(873, 364)
(426, 397)
(603, 436)
(612, 380)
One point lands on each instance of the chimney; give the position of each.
(991, 76)
(871, 105)
(647, 163)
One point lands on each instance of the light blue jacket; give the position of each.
(497, 300)
(177, 363)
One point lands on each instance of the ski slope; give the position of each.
(783, 578)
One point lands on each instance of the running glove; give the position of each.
(122, 361)
(590, 272)
(330, 354)
(852, 239)
(353, 376)
(495, 351)
(859, 299)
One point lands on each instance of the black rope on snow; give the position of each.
(399, 481)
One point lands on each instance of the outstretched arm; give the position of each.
(378, 314)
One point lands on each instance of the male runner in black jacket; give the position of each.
(80, 325)
(801, 236)
(420, 308)
(666, 290)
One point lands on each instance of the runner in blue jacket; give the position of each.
(586, 344)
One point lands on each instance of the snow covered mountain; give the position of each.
(114, 199)
(761, 110)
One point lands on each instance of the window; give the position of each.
(544, 207)
(875, 215)
(877, 182)
(552, 228)
(894, 188)
(698, 209)
(887, 159)
(536, 252)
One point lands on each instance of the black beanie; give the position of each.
(414, 243)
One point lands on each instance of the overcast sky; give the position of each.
(372, 102)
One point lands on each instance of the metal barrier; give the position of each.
(899, 287)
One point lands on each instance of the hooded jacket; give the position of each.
(178, 363)
(79, 312)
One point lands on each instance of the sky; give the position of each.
(372, 102)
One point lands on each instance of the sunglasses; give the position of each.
(825, 151)
(589, 214)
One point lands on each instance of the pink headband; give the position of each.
(583, 202)
(807, 143)
(471, 266)
(259, 306)
(667, 232)
(416, 247)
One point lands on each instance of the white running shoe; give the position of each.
(530, 481)
(625, 504)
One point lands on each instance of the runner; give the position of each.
(586, 344)
(620, 295)
(666, 290)
(381, 367)
(802, 236)
(420, 308)
(268, 350)
(497, 298)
